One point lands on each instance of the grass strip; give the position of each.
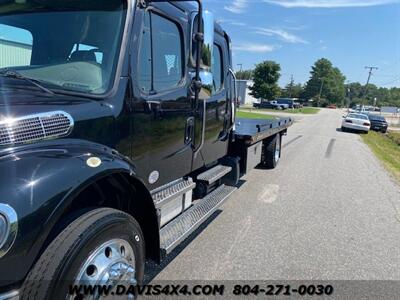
(304, 110)
(387, 149)
(250, 115)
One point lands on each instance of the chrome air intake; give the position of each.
(36, 127)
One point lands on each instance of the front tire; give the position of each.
(104, 246)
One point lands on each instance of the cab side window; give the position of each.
(216, 69)
(160, 58)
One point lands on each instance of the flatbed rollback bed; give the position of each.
(251, 131)
(259, 141)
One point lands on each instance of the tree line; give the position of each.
(325, 86)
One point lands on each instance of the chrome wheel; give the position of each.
(111, 264)
(278, 148)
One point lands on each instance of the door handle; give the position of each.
(152, 103)
(189, 130)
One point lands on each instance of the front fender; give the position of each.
(38, 182)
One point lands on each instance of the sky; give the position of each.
(352, 34)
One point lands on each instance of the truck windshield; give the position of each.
(66, 45)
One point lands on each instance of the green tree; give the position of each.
(266, 76)
(326, 80)
(244, 75)
(384, 96)
(292, 90)
(356, 90)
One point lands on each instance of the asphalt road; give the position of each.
(330, 211)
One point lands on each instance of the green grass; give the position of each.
(395, 137)
(387, 149)
(249, 115)
(305, 110)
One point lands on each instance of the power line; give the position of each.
(390, 82)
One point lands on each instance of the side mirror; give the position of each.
(207, 37)
(207, 82)
(206, 75)
(208, 44)
(206, 50)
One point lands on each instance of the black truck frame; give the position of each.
(112, 153)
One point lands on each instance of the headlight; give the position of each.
(3, 230)
(8, 228)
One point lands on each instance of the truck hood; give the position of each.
(89, 116)
(16, 102)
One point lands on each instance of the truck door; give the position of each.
(163, 118)
(217, 112)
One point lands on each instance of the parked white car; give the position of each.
(356, 122)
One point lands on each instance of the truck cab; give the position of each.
(118, 138)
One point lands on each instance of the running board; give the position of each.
(172, 199)
(171, 191)
(179, 229)
(214, 174)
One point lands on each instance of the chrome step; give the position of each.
(214, 174)
(163, 195)
(177, 230)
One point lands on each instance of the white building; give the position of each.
(244, 92)
(14, 54)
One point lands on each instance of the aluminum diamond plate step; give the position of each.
(214, 174)
(171, 191)
(177, 230)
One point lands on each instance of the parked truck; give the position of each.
(118, 138)
(271, 105)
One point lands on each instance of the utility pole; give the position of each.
(348, 98)
(348, 94)
(369, 78)
(346, 101)
(241, 67)
(291, 86)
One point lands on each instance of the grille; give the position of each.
(35, 127)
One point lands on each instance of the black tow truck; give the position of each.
(118, 138)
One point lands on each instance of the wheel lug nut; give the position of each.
(114, 274)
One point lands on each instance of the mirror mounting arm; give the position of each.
(199, 37)
(197, 84)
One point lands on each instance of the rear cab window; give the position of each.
(217, 69)
(87, 53)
